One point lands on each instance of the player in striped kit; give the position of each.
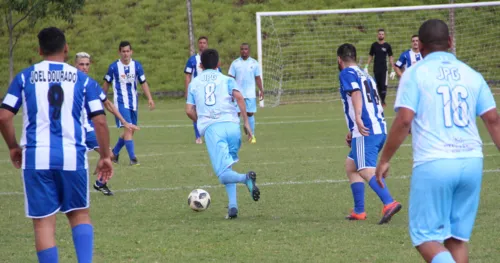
(408, 57)
(367, 131)
(124, 74)
(52, 152)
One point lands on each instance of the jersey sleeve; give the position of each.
(232, 70)
(189, 67)
(408, 94)
(13, 100)
(349, 81)
(109, 76)
(93, 103)
(401, 61)
(257, 72)
(485, 100)
(389, 50)
(139, 72)
(372, 49)
(190, 96)
(232, 85)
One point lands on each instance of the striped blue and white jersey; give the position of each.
(353, 79)
(446, 96)
(193, 66)
(212, 94)
(124, 79)
(245, 71)
(87, 122)
(54, 96)
(408, 58)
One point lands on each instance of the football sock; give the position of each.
(99, 183)
(83, 239)
(358, 193)
(231, 177)
(129, 144)
(383, 193)
(196, 132)
(49, 255)
(119, 145)
(231, 195)
(251, 120)
(443, 257)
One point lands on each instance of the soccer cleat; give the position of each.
(389, 211)
(252, 188)
(355, 216)
(114, 158)
(134, 162)
(254, 140)
(199, 141)
(104, 189)
(232, 213)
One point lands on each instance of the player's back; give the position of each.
(448, 95)
(211, 92)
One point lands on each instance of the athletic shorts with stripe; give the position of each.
(365, 149)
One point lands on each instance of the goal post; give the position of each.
(297, 49)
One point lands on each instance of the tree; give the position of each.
(28, 13)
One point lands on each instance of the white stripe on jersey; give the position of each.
(199, 69)
(68, 133)
(133, 89)
(122, 85)
(42, 150)
(26, 108)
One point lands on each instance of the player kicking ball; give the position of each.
(210, 105)
(367, 133)
(82, 62)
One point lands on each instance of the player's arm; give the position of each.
(400, 64)
(108, 78)
(144, 85)
(391, 60)
(357, 103)
(232, 71)
(187, 80)
(113, 110)
(370, 57)
(240, 100)
(486, 108)
(191, 105)
(258, 81)
(9, 107)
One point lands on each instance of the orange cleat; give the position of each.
(354, 216)
(389, 211)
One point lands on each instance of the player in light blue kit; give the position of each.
(53, 156)
(210, 104)
(440, 97)
(408, 58)
(246, 71)
(367, 131)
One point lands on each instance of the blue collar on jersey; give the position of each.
(440, 55)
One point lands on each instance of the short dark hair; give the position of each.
(381, 30)
(203, 37)
(347, 52)
(414, 36)
(245, 44)
(210, 58)
(51, 40)
(124, 44)
(434, 34)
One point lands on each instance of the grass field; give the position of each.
(299, 160)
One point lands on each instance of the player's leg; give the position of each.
(41, 204)
(357, 185)
(121, 140)
(251, 105)
(75, 204)
(197, 133)
(128, 136)
(464, 207)
(91, 142)
(380, 80)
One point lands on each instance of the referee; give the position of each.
(380, 50)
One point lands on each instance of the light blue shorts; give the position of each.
(250, 104)
(444, 197)
(223, 142)
(365, 149)
(91, 141)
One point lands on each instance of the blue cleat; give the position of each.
(252, 188)
(232, 213)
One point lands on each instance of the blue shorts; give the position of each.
(91, 141)
(444, 197)
(365, 149)
(129, 115)
(250, 104)
(223, 142)
(47, 192)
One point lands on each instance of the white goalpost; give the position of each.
(297, 49)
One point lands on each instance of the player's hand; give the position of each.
(348, 139)
(392, 75)
(151, 104)
(361, 127)
(381, 172)
(131, 127)
(366, 70)
(248, 131)
(16, 156)
(261, 95)
(104, 169)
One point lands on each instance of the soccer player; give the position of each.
(408, 57)
(366, 136)
(52, 153)
(82, 62)
(440, 97)
(124, 74)
(210, 104)
(246, 71)
(380, 50)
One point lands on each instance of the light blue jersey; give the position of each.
(124, 79)
(446, 96)
(211, 93)
(245, 72)
(408, 58)
(353, 79)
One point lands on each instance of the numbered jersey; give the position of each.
(446, 96)
(353, 79)
(211, 93)
(124, 79)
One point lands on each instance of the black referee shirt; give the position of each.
(380, 52)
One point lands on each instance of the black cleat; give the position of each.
(134, 162)
(232, 213)
(252, 187)
(114, 158)
(104, 189)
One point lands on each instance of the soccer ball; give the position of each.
(199, 200)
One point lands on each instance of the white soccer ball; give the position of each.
(199, 200)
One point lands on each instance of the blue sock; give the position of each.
(358, 193)
(383, 193)
(129, 144)
(443, 257)
(251, 120)
(49, 255)
(119, 145)
(196, 132)
(83, 239)
(232, 177)
(231, 195)
(99, 183)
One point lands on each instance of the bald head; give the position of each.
(433, 36)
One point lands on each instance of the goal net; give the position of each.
(297, 50)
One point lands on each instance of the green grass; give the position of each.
(299, 160)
